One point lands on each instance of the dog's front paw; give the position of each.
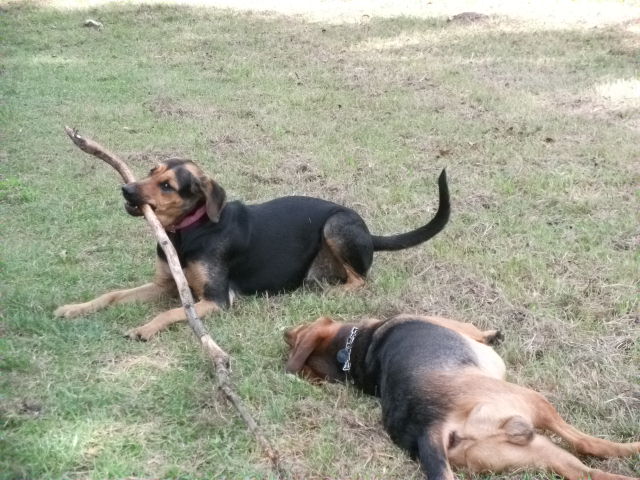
(142, 333)
(70, 311)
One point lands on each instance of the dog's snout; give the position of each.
(129, 192)
(132, 199)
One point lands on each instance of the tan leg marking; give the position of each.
(354, 280)
(149, 291)
(161, 285)
(495, 455)
(547, 417)
(197, 277)
(162, 321)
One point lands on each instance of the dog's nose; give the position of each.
(129, 192)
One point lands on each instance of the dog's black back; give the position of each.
(266, 247)
(400, 361)
(280, 230)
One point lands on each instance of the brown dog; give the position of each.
(444, 398)
(229, 248)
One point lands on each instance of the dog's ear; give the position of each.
(303, 348)
(215, 197)
(304, 340)
(290, 335)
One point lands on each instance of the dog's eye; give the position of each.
(166, 187)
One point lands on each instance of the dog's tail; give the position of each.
(433, 457)
(424, 233)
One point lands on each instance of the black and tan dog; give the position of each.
(228, 248)
(443, 396)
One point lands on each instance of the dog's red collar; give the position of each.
(194, 217)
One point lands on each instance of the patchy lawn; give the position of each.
(538, 127)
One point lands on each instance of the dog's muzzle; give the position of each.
(132, 200)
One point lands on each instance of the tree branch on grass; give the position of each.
(219, 358)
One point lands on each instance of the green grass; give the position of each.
(543, 242)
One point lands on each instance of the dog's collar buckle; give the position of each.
(344, 355)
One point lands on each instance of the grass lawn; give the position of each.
(539, 130)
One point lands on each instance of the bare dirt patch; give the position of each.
(167, 107)
(117, 364)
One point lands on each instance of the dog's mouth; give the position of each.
(133, 209)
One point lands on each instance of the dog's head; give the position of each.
(314, 347)
(173, 189)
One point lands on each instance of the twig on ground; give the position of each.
(89, 22)
(219, 358)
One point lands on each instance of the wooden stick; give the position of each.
(219, 358)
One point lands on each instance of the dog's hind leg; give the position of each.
(347, 238)
(547, 417)
(500, 434)
(162, 285)
(497, 455)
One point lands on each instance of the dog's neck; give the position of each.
(344, 355)
(358, 372)
(193, 218)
